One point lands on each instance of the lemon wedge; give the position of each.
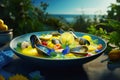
(67, 38)
(87, 37)
(29, 51)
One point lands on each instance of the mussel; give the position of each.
(36, 43)
(80, 50)
(60, 30)
(81, 41)
(56, 41)
(55, 34)
(73, 34)
(34, 40)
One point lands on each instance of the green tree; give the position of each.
(24, 17)
(81, 23)
(20, 15)
(114, 12)
(110, 28)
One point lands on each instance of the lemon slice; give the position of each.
(30, 51)
(46, 37)
(67, 38)
(87, 37)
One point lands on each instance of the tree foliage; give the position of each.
(81, 23)
(114, 12)
(20, 15)
(24, 17)
(113, 21)
(110, 28)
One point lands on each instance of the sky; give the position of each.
(77, 6)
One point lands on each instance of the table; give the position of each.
(98, 69)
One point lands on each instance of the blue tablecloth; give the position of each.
(98, 69)
(5, 57)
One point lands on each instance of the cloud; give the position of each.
(97, 11)
(90, 11)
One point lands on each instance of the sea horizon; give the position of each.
(71, 17)
(73, 14)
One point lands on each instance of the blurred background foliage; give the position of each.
(109, 27)
(20, 15)
(23, 17)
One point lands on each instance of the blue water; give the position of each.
(71, 17)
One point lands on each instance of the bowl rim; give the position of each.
(9, 30)
(42, 58)
(8, 33)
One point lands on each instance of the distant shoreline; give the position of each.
(76, 14)
(71, 17)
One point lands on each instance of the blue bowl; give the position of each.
(5, 37)
(47, 62)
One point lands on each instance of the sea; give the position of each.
(72, 17)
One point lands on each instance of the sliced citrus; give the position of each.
(87, 37)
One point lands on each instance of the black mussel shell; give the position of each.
(83, 41)
(44, 50)
(36, 43)
(79, 49)
(34, 40)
